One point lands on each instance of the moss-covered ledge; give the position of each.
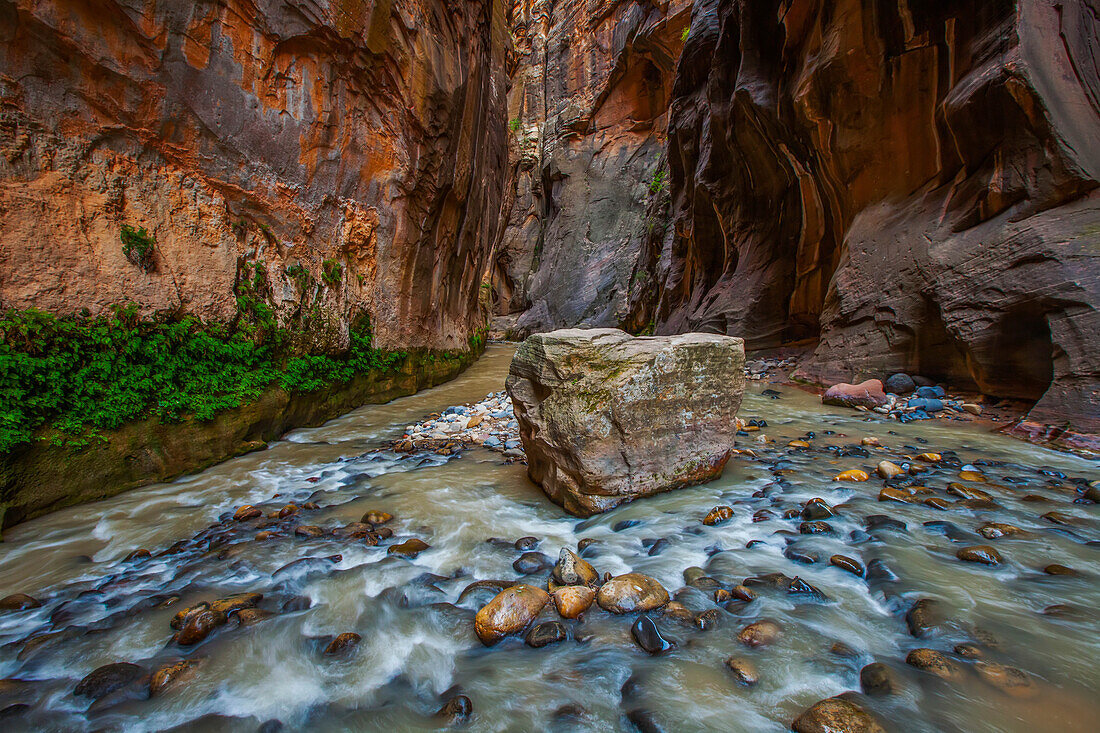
(38, 478)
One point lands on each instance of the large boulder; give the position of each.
(606, 418)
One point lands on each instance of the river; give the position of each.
(418, 645)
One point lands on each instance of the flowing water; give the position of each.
(418, 645)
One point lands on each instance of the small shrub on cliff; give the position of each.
(658, 182)
(332, 273)
(515, 124)
(137, 245)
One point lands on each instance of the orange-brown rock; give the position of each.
(631, 593)
(370, 135)
(573, 600)
(509, 612)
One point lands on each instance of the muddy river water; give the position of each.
(417, 645)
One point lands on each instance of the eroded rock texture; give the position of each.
(587, 115)
(913, 182)
(606, 418)
(369, 134)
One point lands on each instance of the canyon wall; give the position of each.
(322, 157)
(587, 111)
(909, 184)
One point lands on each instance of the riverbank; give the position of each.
(350, 587)
(39, 477)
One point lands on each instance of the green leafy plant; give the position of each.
(684, 34)
(65, 379)
(137, 245)
(300, 275)
(515, 124)
(332, 273)
(658, 182)
(240, 227)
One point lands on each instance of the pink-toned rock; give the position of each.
(865, 394)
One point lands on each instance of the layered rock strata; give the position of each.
(913, 185)
(355, 151)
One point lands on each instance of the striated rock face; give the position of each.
(587, 115)
(913, 183)
(355, 149)
(606, 418)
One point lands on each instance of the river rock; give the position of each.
(631, 592)
(878, 679)
(18, 602)
(983, 554)
(851, 565)
(867, 394)
(993, 530)
(744, 671)
(1009, 680)
(836, 715)
(343, 644)
(409, 548)
(456, 710)
(888, 469)
(247, 512)
(923, 616)
(572, 570)
(718, 515)
(606, 418)
(648, 636)
(171, 674)
(106, 679)
(236, 602)
(198, 626)
(760, 633)
(530, 563)
(509, 612)
(934, 662)
(573, 600)
(900, 384)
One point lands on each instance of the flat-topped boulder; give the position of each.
(606, 418)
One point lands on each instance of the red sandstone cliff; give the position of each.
(369, 133)
(912, 184)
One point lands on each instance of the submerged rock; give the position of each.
(744, 671)
(18, 602)
(106, 679)
(171, 674)
(983, 554)
(409, 548)
(836, 715)
(544, 634)
(934, 662)
(343, 644)
(456, 710)
(509, 612)
(606, 418)
(760, 633)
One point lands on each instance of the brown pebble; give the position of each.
(760, 633)
(743, 670)
(983, 554)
